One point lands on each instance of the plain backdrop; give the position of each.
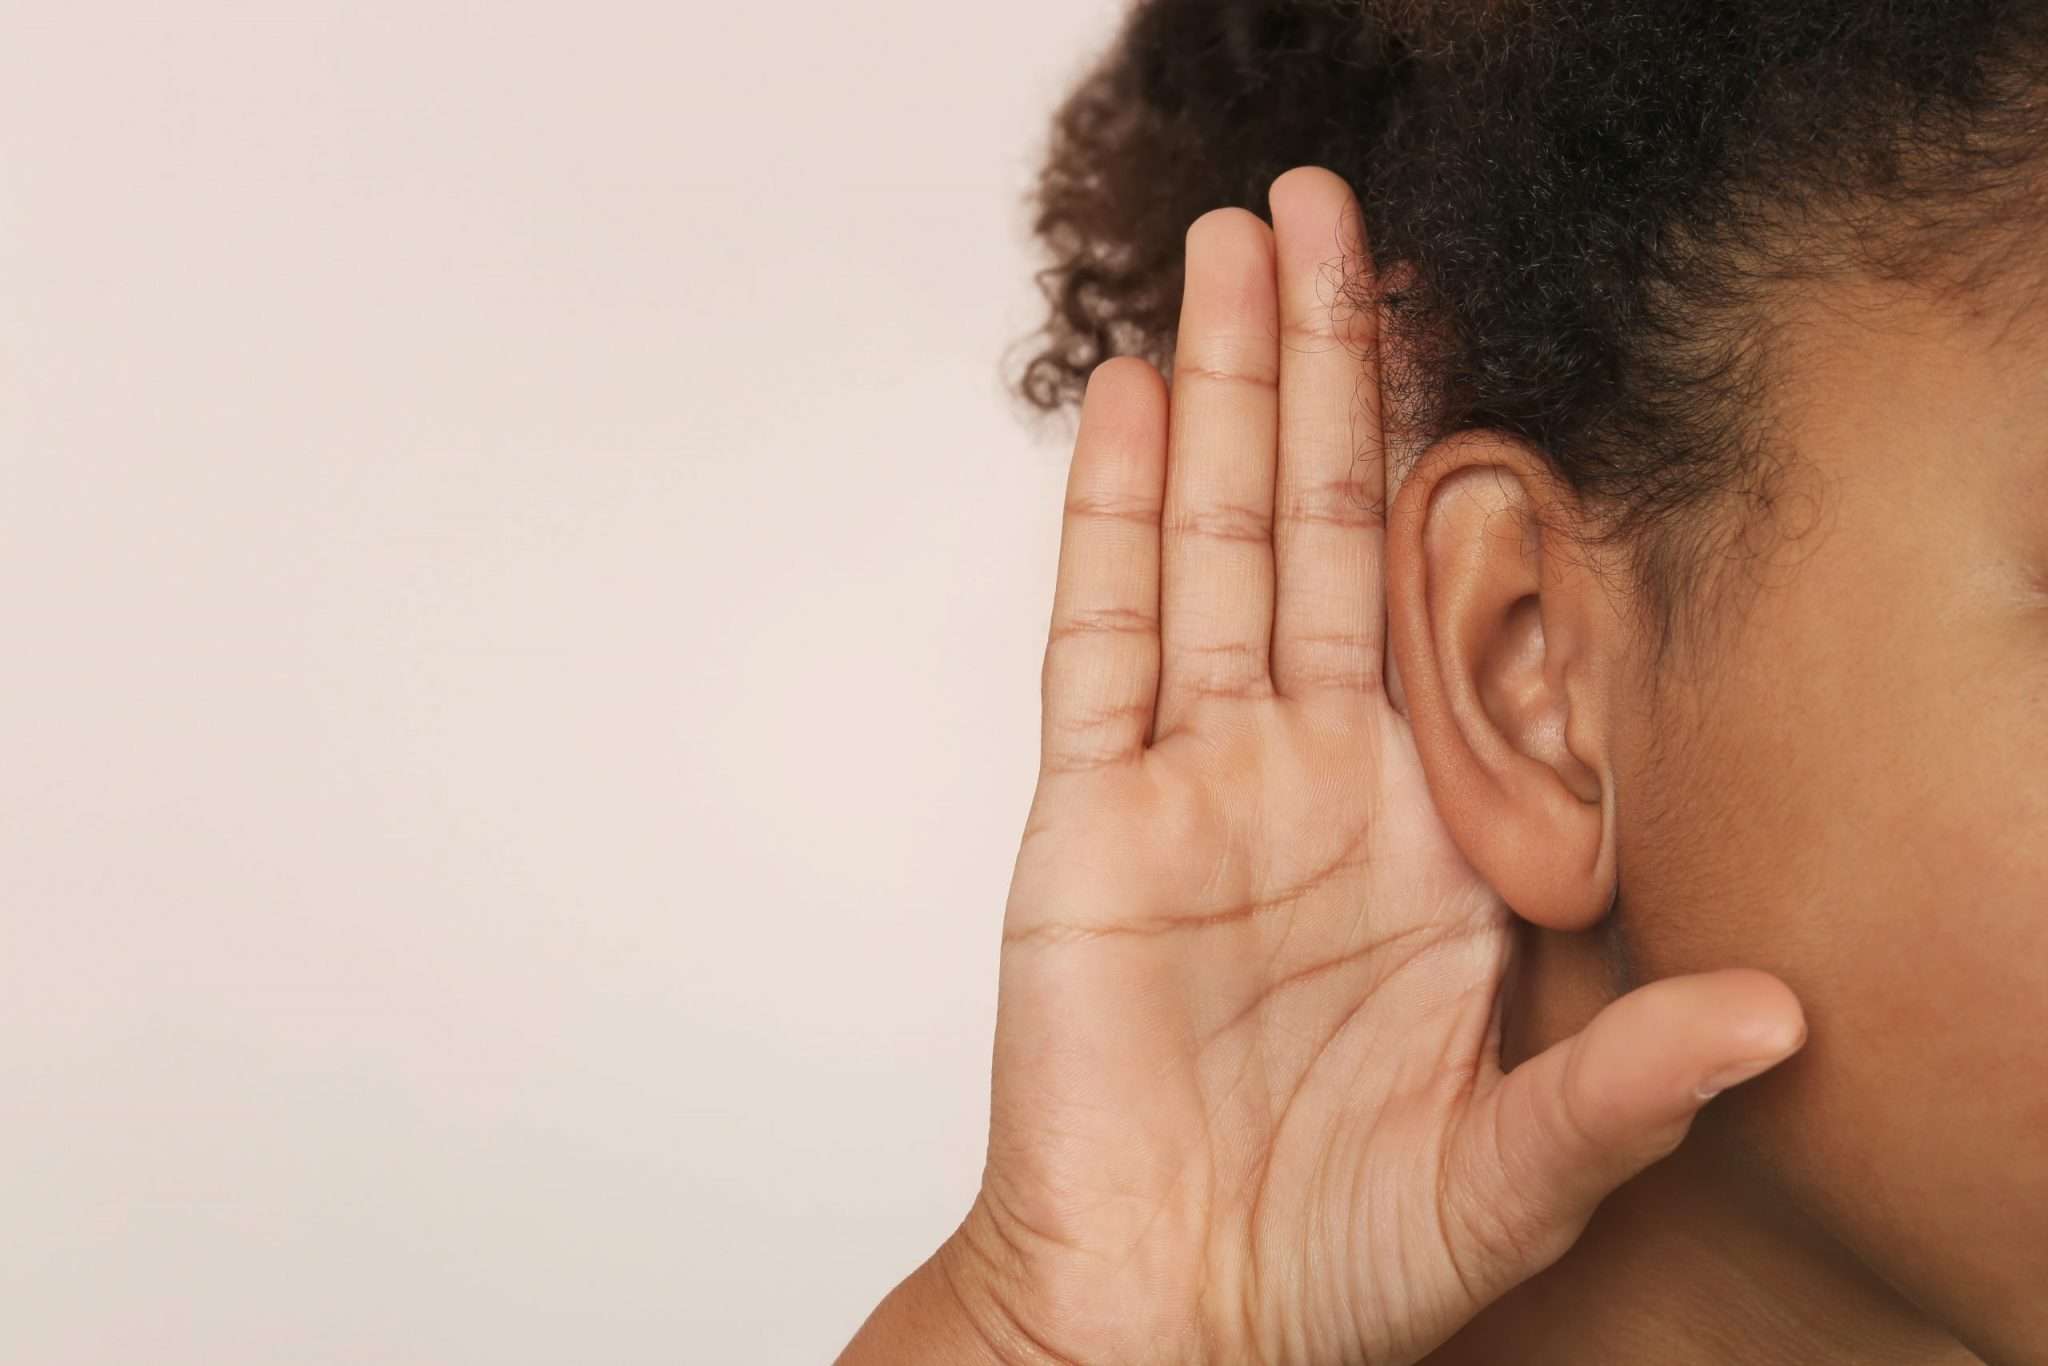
(522, 593)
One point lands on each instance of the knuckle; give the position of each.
(1223, 522)
(1101, 621)
(1221, 370)
(1102, 507)
(1311, 330)
(1335, 502)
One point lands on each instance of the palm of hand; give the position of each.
(1209, 957)
(1234, 902)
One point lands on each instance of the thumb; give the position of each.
(1536, 1155)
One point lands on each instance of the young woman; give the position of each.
(1581, 609)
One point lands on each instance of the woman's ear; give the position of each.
(1504, 639)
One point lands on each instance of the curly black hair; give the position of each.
(1576, 210)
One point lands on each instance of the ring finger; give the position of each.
(1216, 534)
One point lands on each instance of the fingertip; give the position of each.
(1287, 182)
(1308, 183)
(1214, 229)
(1735, 1073)
(1124, 404)
(1767, 1018)
(1117, 372)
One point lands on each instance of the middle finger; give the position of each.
(1329, 621)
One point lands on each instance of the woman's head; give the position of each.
(1594, 211)
(1734, 315)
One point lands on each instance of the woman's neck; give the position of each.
(1700, 1261)
(1675, 1272)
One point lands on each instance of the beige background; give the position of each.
(523, 598)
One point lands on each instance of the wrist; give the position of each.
(955, 1308)
(986, 1290)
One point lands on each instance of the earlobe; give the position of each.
(1496, 633)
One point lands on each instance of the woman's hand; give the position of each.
(1247, 1097)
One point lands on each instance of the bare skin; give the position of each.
(1845, 782)
(1248, 1102)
